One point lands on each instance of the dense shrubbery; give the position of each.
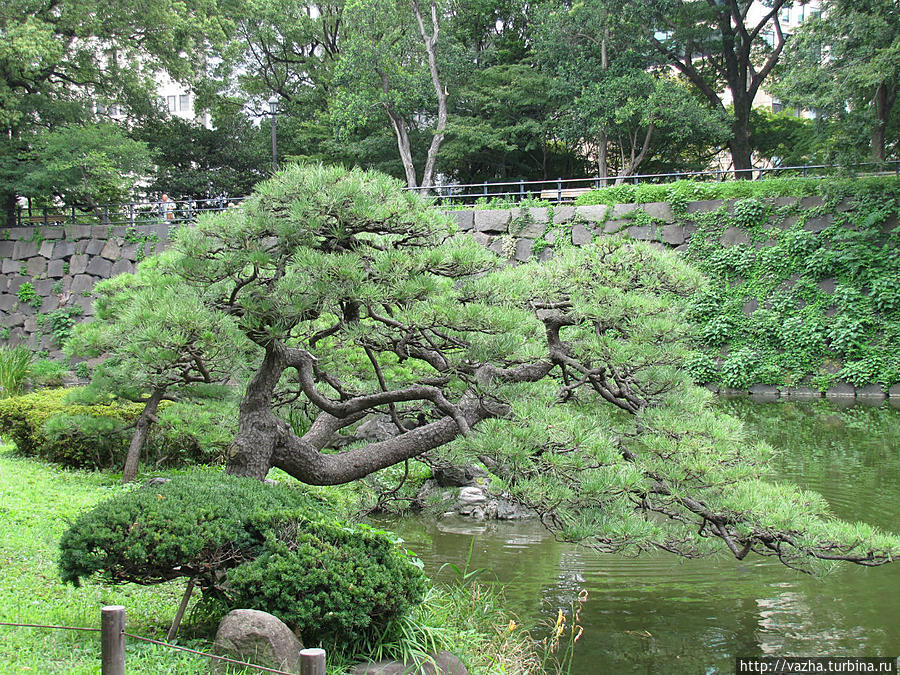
(23, 419)
(680, 192)
(47, 425)
(251, 545)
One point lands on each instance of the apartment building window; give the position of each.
(784, 15)
(801, 13)
(184, 102)
(113, 110)
(101, 109)
(777, 106)
(171, 101)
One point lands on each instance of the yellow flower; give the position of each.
(560, 624)
(512, 626)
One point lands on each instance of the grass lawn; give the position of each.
(36, 503)
(38, 500)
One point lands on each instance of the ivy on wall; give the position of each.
(800, 296)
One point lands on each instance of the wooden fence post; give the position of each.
(312, 662)
(112, 640)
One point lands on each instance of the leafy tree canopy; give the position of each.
(502, 127)
(845, 63)
(562, 378)
(58, 59)
(84, 165)
(194, 161)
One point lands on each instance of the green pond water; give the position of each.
(660, 614)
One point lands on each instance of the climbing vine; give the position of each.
(801, 292)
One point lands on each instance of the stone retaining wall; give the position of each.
(520, 234)
(62, 264)
(517, 233)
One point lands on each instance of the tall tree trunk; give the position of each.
(636, 159)
(885, 96)
(603, 161)
(430, 42)
(250, 453)
(403, 146)
(141, 430)
(402, 135)
(741, 149)
(8, 204)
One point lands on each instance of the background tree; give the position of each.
(722, 53)
(391, 65)
(574, 43)
(640, 116)
(785, 139)
(845, 65)
(502, 127)
(84, 166)
(615, 99)
(288, 50)
(58, 58)
(160, 342)
(562, 378)
(193, 161)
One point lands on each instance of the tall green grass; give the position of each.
(15, 366)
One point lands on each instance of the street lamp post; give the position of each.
(273, 108)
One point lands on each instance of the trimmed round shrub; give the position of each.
(250, 545)
(330, 582)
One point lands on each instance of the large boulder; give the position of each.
(459, 476)
(259, 638)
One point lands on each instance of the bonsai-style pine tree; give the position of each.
(160, 342)
(562, 378)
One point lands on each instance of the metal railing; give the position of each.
(127, 213)
(551, 190)
(568, 189)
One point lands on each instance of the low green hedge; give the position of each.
(253, 545)
(679, 193)
(24, 420)
(96, 436)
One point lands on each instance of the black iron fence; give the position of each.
(126, 213)
(551, 190)
(568, 189)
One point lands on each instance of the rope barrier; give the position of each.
(210, 656)
(151, 640)
(40, 625)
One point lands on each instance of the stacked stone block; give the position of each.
(514, 233)
(63, 264)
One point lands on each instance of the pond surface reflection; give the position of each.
(659, 614)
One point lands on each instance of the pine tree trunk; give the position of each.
(250, 453)
(141, 431)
